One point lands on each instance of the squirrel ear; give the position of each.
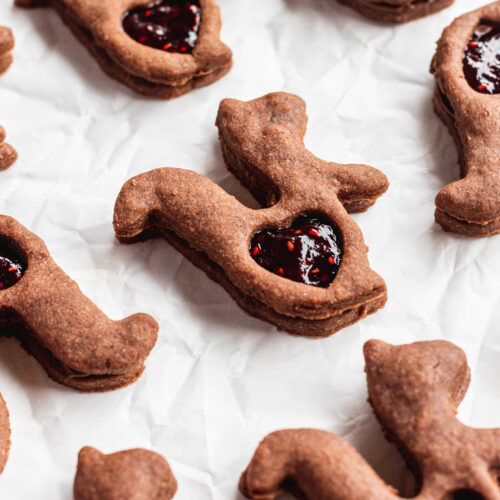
(376, 351)
(277, 109)
(433, 364)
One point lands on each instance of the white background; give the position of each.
(218, 381)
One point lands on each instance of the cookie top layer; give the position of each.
(69, 332)
(266, 136)
(132, 474)
(476, 117)
(414, 391)
(102, 22)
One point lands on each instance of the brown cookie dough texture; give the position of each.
(4, 433)
(262, 142)
(8, 154)
(127, 475)
(414, 391)
(397, 11)
(470, 206)
(6, 46)
(147, 71)
(73, 340)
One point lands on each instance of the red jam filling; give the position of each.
(482, 59)
(309, 251)
(12, 266)
(168, 25)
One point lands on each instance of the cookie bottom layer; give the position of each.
(446, 220)
(384, 11)
(453, 225)
(154, 89)
(59, 372)
(160, 90)
(293, 325)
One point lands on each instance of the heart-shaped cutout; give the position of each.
(168, 25)
(309, 251)
(12, 266)
(482, 59)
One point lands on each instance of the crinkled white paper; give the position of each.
(218, 381)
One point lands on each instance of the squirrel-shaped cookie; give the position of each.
(6, 46)
(300, 263)
(467, 98)
(414, 391)
(397, 11)
(126, 475)
(73, 340)
(8, 154)
(160, 49)
(4, 434)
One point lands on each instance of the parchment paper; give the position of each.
(218, 381)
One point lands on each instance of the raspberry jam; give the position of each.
(12, 266)
(168, 25)
(482, 59)
(309, 251)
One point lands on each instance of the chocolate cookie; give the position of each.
(467, 71)
(414, 391)
(127, 475)
(299, 264)
(6, 46)
(74, 341)
(160, 49)
(397, 11)
(8, 154)
(4, 434)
